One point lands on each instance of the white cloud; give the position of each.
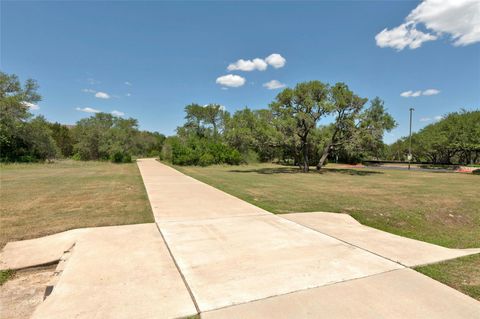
(411, 93)
(276, 60)
(31, 106)
(89, 91)
(231, 80)
(418, 93)
(273, 85)
(406, 94)
(102, 95)
(428, 119)
(248, 65)
(459, 19)
(128, 83)
(430, 92)
(224, 88)
(402, 36)
(128, 94)
(87, 110)
(117, 113)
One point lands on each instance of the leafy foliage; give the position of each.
(454, 139)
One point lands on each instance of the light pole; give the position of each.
(410, 140)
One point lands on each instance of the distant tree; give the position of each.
(14, 113)
(214, 115)
(22, 137)
(104, 136)
(149, 143)
(39, 136)
(253, 131)
(195, 115)
(297, 112)
(346, 107)
(63, 138)
(453, 139)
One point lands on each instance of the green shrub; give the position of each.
(27, 159)
(127, 158)
(206, 159)
(476, 172)
(120, 157)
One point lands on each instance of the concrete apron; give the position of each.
(233, 253)
(118, 272)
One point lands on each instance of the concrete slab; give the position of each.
(228, 261)
(119, 272)
(177, 197)
(408, 252)
(39, 251)
(397, 294)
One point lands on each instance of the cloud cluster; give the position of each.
(418, 93)
(87, 110)
(102, 95)
(274, 85)
(248, 65)
(98, 94)
(231, 80)
(459, 19)
(275, 60)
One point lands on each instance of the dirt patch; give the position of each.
(20, 295)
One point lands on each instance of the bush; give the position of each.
(476, 172)
(206, 160)
(120, 157)
(198, 151)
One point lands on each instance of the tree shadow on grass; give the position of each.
(296, 170)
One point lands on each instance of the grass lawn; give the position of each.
(42, 199)
(440, 208)
(462, 274)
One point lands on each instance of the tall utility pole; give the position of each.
(410, 138)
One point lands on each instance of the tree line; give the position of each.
(28, 138)
(455, 139)
(288, 130)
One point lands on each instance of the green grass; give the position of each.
(440, 208)
(42, 199)
(462, 274)
(5, 275)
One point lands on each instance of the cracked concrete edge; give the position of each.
(42, 251)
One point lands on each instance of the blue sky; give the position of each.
(153, 58)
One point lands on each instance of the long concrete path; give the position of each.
(214, 254)
(240, 261)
